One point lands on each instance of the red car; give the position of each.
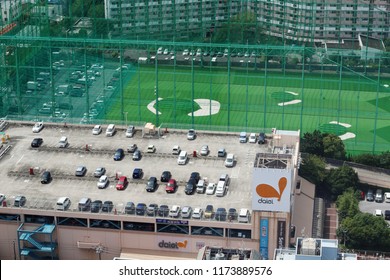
(122, 183)
(171, 186)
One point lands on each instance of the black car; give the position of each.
(220, 214)
(138, 173)
(36, 142)
(195, 176)
(163, 211)
(130, 208)
(96, 206)
(151, 185)
(261, 138)
(140, 209)
(190, 186)
(152, 210)
(137, 155)
(232, 214)
(107, 206)
(46, 177)
(165, 176)
(119, 154)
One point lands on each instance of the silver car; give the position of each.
(103, 182)
(205, 150)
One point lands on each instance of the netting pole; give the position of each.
(156, 86)
(192, 89)
(376, 105)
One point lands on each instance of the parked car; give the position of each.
(84, 204)
(119, 154)
(151, 149)
(209, 211)
(243, 137)
(103, 182)
(252, 138)
(46, 177)
(176, 150)
(220, 214)
(378, 213)
(36, 142)
(97, 129)
(20, 201)
(232, 214)
(81, 170)
(132, 148)
(190, 187)
(152, 209)
(370, 195)
(171, 187)
(138, 173)
(211, 187)
(107, 206)
(130, 208)
(195, 176)
(261, 139)
(204, 150)
(201, 186)
(165, 176)
(191, 135)
(379, 195)
(140, 209)
(221, 152)
(137, 155)
(96, 206)
(37, 127)
(122, 183)
(151, 185)
(229, 161)
(174, 212)
(100, 171)
(197, 213)
(163, 211)
(186, 212)
(130, 131)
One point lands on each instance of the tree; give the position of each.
(340, 179)
(366, 231)
(333, 147)
(312, 143)
(313, 169)
(347, 205)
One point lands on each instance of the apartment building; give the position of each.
(318, 20)
(170, 18)
(302, 20)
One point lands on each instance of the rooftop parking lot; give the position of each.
(94, 151)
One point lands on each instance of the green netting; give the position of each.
(212, 65)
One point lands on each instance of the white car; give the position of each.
(378, 213)
(97, 129)
(174, 211)
(37, 127)
(191, 135)
(103, 182)
(151, 149)
(186, 212)
(205, 150)
(211, 187)
(252, 138)
(197, 213)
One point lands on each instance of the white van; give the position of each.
(229, 161)
(63, 143)
(221, 188)
(243, 216)
(387, 197)
(182, 158)
(63, 203)
(110, 131)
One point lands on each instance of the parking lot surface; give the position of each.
(93, 151)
